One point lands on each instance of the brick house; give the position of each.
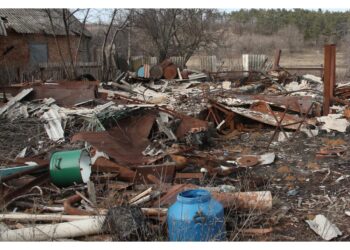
(29, 41)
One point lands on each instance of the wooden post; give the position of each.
(276, 63)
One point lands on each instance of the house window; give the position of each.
(38, 53)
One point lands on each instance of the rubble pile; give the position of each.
(104, 161)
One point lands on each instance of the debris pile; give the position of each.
(104, 161)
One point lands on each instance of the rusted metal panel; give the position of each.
(343, 92)
(329, 77)
(189, 176)
(180, 177)
(151, 174)
(124, 142)
(190, 125)
(66, 94)
(104, 165)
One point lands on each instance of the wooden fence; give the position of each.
(55, 71)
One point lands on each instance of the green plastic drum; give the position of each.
(70, 167)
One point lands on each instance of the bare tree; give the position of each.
(160, 26)
(115, 26)
(48, 11)
(83, 24)
(177, 31)
(66, 16)
(194, 30)
(68, 20)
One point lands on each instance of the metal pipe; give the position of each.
(329, 76)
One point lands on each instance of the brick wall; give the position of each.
(19, 56)
(15, 67)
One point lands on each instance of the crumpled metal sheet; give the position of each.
(294, 103)
(190, 125)
(124, 142)
(260, 114)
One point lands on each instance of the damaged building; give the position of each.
(30, 42)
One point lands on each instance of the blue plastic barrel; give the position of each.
(195, 216)
(141, 71)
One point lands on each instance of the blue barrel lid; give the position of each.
(141, 71)
(194, 196)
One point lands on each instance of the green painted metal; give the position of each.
(70, 167)
(12, 170)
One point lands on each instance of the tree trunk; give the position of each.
(71, 62)
(57, 45)
(104, 62)
(81, 37)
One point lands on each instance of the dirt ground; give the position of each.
(301, 185)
